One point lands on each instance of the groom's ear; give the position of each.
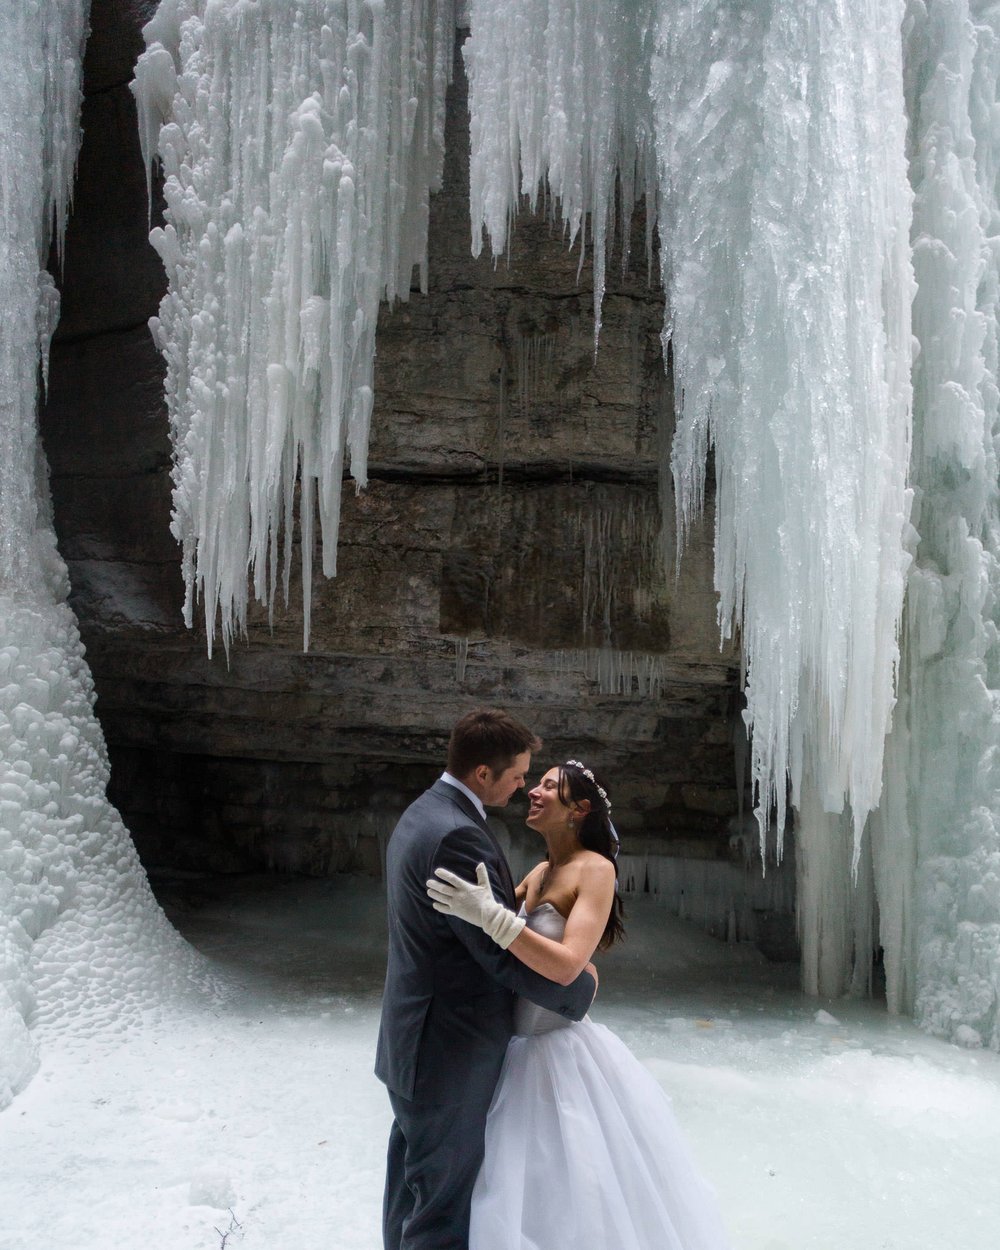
(482, 773)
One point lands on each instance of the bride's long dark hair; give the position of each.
(595, 834)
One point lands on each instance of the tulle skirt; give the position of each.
(583, 1151)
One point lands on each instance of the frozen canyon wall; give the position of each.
(808, 165)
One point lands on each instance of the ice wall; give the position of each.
(937, 837)
(80, 934)
(299, 140)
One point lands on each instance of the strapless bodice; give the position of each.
(530, 1019)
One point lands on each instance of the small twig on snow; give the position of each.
(234, 1227)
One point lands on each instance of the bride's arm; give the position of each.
(564, 961)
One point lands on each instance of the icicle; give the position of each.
(461, 659)
(832, 912)
(609, 528)
(559, 102)
(300, 143)
(39, 130)
(725, 899)
(46, 320)
(536, 355)
(616, 672)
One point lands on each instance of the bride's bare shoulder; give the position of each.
(594, 867)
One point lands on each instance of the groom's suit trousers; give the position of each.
(431, 1167)
(447, 1016)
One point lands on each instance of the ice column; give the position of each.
(938, 834)
(784, 226)
(80, 934)
(299, 140)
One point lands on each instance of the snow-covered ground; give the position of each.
(253, 1119)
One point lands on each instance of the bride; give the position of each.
(582, 1148)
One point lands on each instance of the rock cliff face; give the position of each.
(509, 549)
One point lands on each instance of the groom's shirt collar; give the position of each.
(476, 800)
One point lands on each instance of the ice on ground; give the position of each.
(81, 936)
(865, 1136)
(211, 1186)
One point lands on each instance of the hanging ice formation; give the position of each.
(299, 140)
(784, 202)
(559, 102)
(80, 933)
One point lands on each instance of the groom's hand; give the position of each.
(474, 903)
(593, 972)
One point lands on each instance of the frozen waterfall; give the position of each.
(824, 187)
(821, 180)
(79, 930)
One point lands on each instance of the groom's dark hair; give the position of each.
(488, 736)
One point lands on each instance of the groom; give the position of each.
(447, 1013)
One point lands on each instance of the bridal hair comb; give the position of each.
(590, 777)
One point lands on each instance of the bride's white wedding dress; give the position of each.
(582, 1148)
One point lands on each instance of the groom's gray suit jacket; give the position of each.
(449, 989)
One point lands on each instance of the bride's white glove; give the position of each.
(474, 903)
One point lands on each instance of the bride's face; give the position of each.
(546, 810)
